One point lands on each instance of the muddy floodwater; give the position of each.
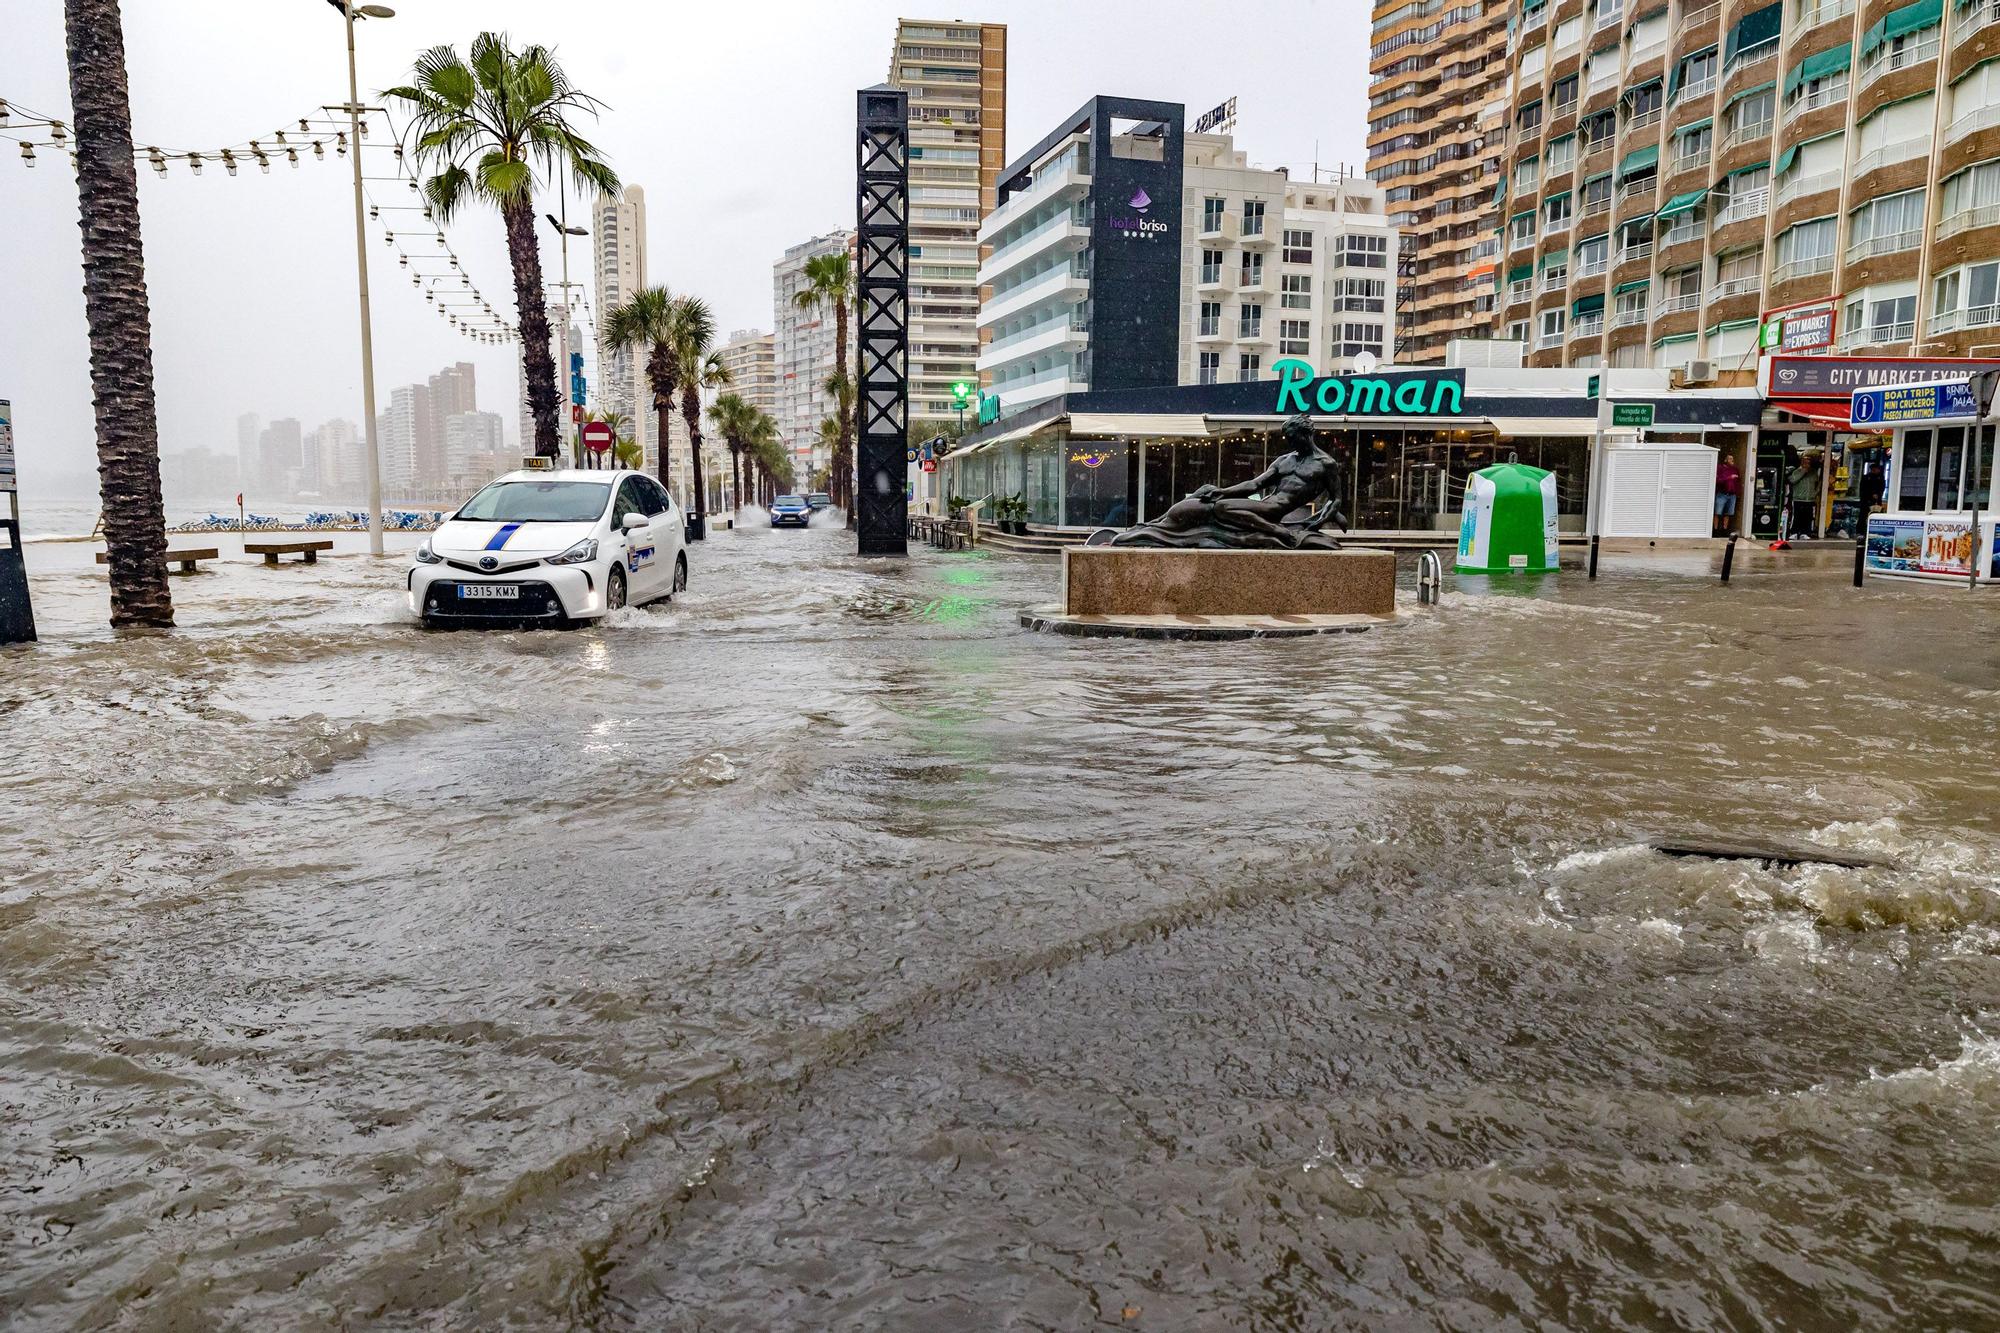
(825, 951)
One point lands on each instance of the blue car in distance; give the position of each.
(790, 511)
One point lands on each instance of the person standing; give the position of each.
(1805, 497)
(1728, 491)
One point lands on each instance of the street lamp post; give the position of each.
(566, 231)
(351, 12)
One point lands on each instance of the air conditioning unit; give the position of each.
(1699, 372)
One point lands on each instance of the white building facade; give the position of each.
(802, 349)
(618, 246)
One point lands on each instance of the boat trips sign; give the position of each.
(1912, 404)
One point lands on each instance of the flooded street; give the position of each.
(825, 951)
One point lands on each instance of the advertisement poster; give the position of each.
(1947, 547)
(1895, 545)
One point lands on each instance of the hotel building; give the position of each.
(1676, 171)
(1437, 119)
(1125, 253)
(956, 76)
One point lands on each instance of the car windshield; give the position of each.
(788, 500)
(538, 502)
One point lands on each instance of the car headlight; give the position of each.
(582, 553)
(426, 556)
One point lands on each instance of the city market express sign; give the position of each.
(1419, 394)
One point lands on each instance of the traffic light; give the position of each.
(961, 393)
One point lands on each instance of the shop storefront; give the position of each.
(1117, 458)
(1938, 519)
(1815, 473)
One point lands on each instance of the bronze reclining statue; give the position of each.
(1253, 515)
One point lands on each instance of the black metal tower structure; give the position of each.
(882, 245)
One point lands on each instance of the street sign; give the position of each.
(1908, 404)
(930, 465)
(598, 437)
(1591, 390)
(1631, 414)
(6, 445)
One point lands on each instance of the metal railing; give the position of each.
(1803, 268)
(1890, 243)
(1967, 219)
(1884, 60)
(1644, 118)
(1797, 185)
(1722, 291)
(1694, 18)
(1975, 19)
(1676, 305)
(1626, 316)
(1972, 317)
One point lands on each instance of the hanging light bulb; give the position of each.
(56, 130)
(389, 237)
(27, 154)
(263, 164)
(440, 238)
(229, 161)
(303, 128)
(281, 136)
(319, 150)
(292, 156)
(374, 213)
(157, 160)
(340, 144)
(405, 262)
(3, 113)
(194, 163)
(465, 282)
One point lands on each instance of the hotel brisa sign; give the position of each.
(1407, 394)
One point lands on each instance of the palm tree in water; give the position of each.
(491, 126)
(735, 418)
(119, 317)
(701, 368)
(830, 283)
(645, 325)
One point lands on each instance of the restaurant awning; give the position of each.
(1005, 437)
(1176, 424)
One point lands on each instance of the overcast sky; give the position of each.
(737, 119)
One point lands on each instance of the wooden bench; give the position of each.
(272, 550)
(185, 559)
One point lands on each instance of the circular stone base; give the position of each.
(1052, 620)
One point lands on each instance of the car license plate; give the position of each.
(473, 592)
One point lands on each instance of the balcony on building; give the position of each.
(1067, 232)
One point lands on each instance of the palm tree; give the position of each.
(627, 452)
(735, 419)
(701, 368)
(646, 323)
(830, 282)
(763, 441)
(489, 126)
(119, 317)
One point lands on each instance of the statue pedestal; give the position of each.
(1122, 581)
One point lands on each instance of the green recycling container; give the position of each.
(1510, 521)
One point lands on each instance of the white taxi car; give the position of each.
(552, 547)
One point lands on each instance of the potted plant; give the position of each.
(1014, 515)
(954, 507)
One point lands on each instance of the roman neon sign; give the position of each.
(1300, 390)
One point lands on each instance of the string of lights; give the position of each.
(32, 129)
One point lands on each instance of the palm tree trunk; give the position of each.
(691, 413)
(843, 471)
(538, 363)
(735, 475)
(660, 375)
(119, 316)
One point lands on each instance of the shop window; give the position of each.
(1947, 460)
(1915, 487)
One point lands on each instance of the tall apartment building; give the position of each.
(748, 357)
(402, 430)
(281, 457)
(1437, 119)
(451, 392)
(618, 246)
(802, 351)
(1272, 267)
(468, 439)
(1677, 170)
(341, 455)
(1127, 254)
(956, 77)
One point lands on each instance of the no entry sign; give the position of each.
(597, 436)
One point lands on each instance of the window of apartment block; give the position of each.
(1604, 13)
(1248, 364)
(1562, 154)
(1806, 247)
(1295, 337)
(1738, 267)
(1975, 99)
(1527, 174)
(1597, 130)
(1212, 210)
(1556, 212)
(1211, 320)
(1897, 132)
(1533, 62)
(1886, 316)
(1967, 298)
(1568, 33)
(1250, 320)
(1521, 228)
(1646, 99)
(1692, 145)
(1208, 368)
(1972, 197)
(1597, 194)
(1901, 51)
(1253, 217)
(1808, 86)
(1649, 31)
(1298, 246)
(1296, 291)
(1552, 325)
(1630, 356)
(1517, 331)
(1696, 73)
(1751, 117)
(1368, 295)
(1211, 266)
(1364, 251)
(1530, 118)
(1564, 93)
(1630, 305)
(1253, 269)
(1356, 339)
(1592, 255)
(1887, 225)
(1681, 290)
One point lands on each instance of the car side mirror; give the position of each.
(634, 520)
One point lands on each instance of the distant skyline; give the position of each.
(252, 278)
